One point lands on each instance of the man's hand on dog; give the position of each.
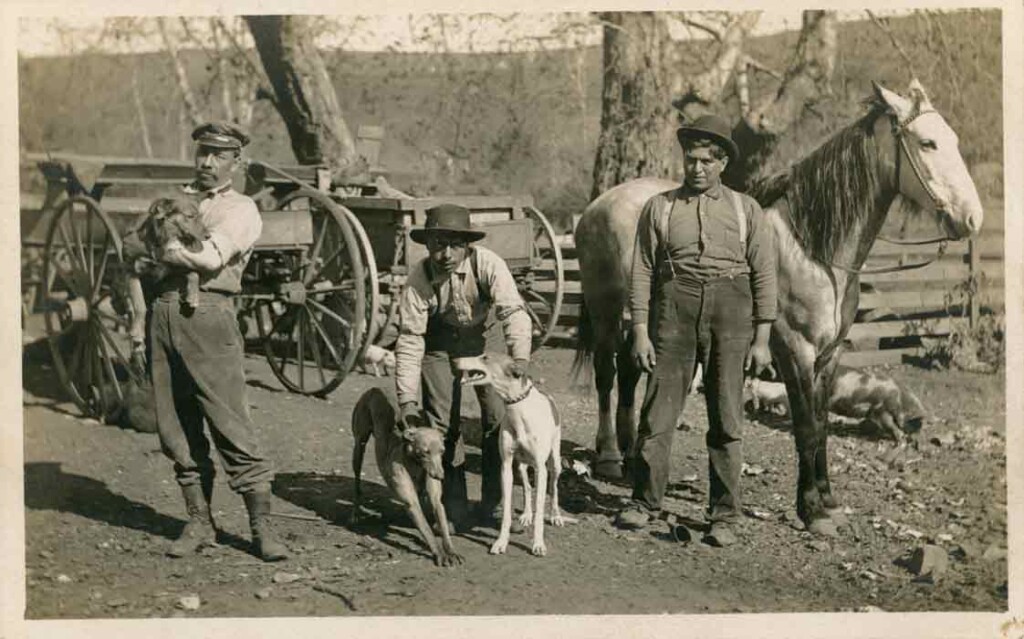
(409, 416)
(518, 368)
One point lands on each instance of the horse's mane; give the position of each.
(831, 189)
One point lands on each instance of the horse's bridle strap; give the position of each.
(898, 129)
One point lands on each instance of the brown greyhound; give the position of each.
(409, 460)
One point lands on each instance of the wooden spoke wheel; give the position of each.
(542, 286)
(373, 320)
(314, 325)
(86, 313)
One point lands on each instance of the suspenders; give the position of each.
(666, 213)
(482, 292)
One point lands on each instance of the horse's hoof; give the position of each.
(824, 527)
(838, 517)
(608, 469)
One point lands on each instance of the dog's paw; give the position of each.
(499, 547)
(558, 520)
(539, 549)
(448, 559)
(525, 519)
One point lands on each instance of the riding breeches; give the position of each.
(197, 373)
(710, 323)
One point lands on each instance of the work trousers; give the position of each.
(442, 402)
(196, 361)
(710, 323)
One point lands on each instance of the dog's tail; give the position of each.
(362, 430)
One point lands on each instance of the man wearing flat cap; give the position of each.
(703, 291)
(196, 353)
(442, 316)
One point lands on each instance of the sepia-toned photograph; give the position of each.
(459, 314)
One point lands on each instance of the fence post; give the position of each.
(973, 270)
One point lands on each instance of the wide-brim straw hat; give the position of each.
(714, 128)
(447, 219)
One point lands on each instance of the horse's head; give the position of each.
(929, 169)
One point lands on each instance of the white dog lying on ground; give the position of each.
(531, 435)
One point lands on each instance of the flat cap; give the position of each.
(220, 135)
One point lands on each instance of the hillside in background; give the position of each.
(522, 122)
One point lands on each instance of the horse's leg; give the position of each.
(797, 370)
(609, 456)
(822, 392)
(625, 417)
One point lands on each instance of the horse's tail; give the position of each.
(581, 364)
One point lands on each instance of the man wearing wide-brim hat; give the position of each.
(443, 315)
(196, 353)
(702, 291)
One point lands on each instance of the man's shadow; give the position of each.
(331, 497)
(48, 487)
(576, 494)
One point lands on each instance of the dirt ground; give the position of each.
(101, 506)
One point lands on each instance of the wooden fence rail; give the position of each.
(898, 313)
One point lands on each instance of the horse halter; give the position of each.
(898, 132)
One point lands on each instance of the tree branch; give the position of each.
(191, 107)
(693, 20)
(883, 26)
(697, 92)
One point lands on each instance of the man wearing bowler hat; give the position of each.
(703, 291)
(442, 316)
(196, 353)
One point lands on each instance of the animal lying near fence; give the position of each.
(826, 212)
(882, 403)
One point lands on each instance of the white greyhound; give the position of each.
(531, 434)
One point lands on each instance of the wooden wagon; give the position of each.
(322, 283)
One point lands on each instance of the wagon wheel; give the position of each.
(543, 287)
(373, 325)
(86, 312)
(315, 325)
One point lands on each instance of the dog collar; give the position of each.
(519, 398)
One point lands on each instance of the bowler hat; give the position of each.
(447, 219)
(712, 127)
(220, 135)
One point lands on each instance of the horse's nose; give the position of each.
(974, 223)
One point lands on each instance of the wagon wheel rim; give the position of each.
(312, 339)
(545, 289)
(373, 321)
(86, 331)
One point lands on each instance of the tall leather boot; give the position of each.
(266, 547)
(455, 498)
(199, 530)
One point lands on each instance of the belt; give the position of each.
(174, 294)
(688, 278)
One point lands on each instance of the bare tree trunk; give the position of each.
(191, 106)
(304, 94)
(140, 110)
(225, 78)
(696, 93)
(636, 125)
(807, 79)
